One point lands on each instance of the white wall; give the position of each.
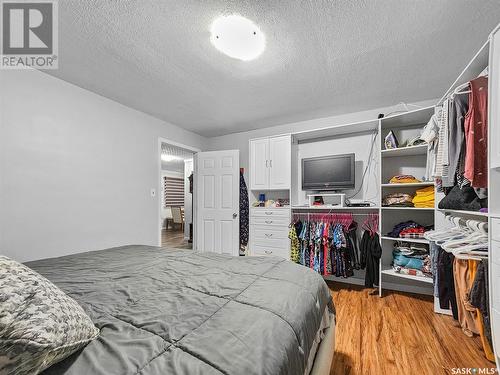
(76, 169)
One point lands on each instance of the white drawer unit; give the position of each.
(259, 250)
(269, 232)
(262, 232)
(270, 212)
(260, 220)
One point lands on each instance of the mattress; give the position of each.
(163, 311)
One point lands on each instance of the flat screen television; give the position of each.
(328, 173)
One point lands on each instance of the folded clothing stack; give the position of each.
(403, 179)
(398, 200)
(410, 271)
(424, 198)
(408, 229)
(417, 232)
(411, 260)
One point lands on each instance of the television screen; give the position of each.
(334, 172)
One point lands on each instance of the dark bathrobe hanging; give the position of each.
(244, 215)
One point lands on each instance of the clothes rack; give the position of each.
(330, 244)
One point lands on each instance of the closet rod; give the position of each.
(326, 215)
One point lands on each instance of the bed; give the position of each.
(165, 311)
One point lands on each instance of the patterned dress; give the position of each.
(294, 244)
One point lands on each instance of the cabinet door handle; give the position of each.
(271, 163)
(268, 251)
(268, 234)
(269, 221)
(267, 163)
(268, 213)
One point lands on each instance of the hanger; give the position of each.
(465, 240)
(458, 89)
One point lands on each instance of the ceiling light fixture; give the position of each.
(237, 37)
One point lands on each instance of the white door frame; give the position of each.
(160, 185)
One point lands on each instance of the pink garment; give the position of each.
(476, 134)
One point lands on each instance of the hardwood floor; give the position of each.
(398, 334)
(174, 239)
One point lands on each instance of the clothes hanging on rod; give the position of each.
(460, 153)
(371, 252)
(458, 109)
(464, 272)
(476, 134)
(328, 243)
(479, 298)
(458, 257)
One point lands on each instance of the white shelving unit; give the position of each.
(405, 160)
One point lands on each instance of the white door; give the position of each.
(217, 192)
(259, 164)
(280, 162)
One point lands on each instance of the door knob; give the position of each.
(235, 215)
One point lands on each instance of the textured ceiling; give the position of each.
(322, 58)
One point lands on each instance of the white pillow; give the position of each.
(39, 324)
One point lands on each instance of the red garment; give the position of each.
(476, 134)
(417, 230)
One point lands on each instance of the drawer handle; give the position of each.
(268, 234)
(268, 213)
(268, 251)
(269, 221)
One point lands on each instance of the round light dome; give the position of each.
(237, 37)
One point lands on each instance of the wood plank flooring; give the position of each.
(173, 238)
(397, 334)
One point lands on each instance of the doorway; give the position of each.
(176, 195)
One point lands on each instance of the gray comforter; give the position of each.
(166, 311)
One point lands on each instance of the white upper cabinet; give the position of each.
(280, 162)
(259, 164)
(270, 163)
